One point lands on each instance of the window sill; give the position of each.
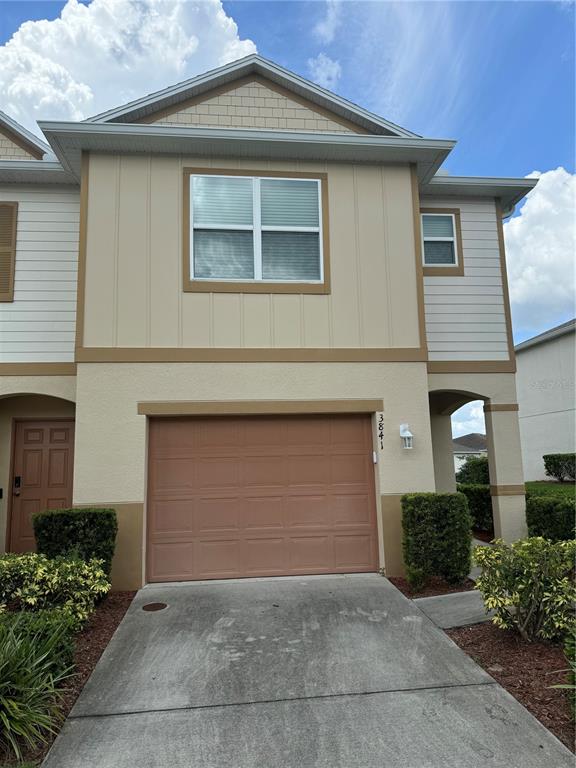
(453, 271)
(222, 286)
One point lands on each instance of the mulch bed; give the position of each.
(90, 645)
(435, 586)
(526, 670)
(483, 535)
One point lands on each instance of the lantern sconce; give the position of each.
(407, 436)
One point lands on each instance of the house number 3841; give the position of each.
(381, 430)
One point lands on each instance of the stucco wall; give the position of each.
(111, 437)
(546, 398)
(134, 295)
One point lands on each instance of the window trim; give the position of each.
(7, 297)
(446, 270)
(201, 285)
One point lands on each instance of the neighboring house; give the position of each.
(465, 446)
(223, 303)
(546, 365)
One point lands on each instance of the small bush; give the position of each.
(480, 506)
(551, 517)
(437, 537)
(30, 675)
(474, 471)
(33, 582)
(529, 585)
(87, 534)
(42, 625)
(561, 466)
(570, 653)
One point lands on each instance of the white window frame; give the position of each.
(443, 239)
(256, 228)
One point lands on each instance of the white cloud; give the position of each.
(541, 251)
(94, 57)
(469, 418)
(325, 71)
(325, 29)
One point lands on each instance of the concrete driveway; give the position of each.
(314, 672)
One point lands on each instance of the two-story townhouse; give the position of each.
(241, 311)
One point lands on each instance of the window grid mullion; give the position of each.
(256, 221)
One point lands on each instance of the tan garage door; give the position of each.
(260, 496)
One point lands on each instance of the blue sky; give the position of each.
(496, 76)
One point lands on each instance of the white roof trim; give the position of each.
(34, 172)
(69, 140)
(252, 64)
(28, 137)
(509, 190)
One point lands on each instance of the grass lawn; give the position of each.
(548, 488)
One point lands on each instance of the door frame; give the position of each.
(9, 495)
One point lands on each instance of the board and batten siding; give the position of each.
(39, 325)
(134, 295)
(465, 317)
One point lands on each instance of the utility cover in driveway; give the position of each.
(316, 672)
(260, 496)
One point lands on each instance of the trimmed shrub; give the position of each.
(551, 517)
(480, 506)
(529, 585)
(33, 582)
(86, 534)
(474, 471)
(562, 466)
(31, 671)
(437, 537)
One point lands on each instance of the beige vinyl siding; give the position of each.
(134, 295)
(465, 317)
(253, 105)
(39, 325)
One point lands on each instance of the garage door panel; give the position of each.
(267, 512)
(219, 472)
(217, 513)
(173, 516)
(218, 558)
(265, 471)
(250, 496)
(352, 551)
(265, 556)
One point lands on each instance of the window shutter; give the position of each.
(8, 217)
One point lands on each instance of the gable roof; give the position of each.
(551, 333)
(471, 443)
(21, 136)
(250, 65)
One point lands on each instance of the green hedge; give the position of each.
(551, 517)
(480, 506)
(474, 471)
(437, 537)
(562, 466)
(33, 582)
(87, 534)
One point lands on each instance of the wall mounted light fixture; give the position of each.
(407, 436)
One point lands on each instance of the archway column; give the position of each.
(441, 429)
(506, 473)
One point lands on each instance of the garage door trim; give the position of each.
(256, 407)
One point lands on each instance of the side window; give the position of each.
(8, 219)
(439, 240)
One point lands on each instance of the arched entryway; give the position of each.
(36, 462)
(504, 455)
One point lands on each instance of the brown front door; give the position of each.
(41, 476)
(260, 496)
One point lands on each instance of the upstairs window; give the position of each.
(256, 229)
(8, 218)
(439, 240)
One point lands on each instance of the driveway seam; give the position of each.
(490, 682)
